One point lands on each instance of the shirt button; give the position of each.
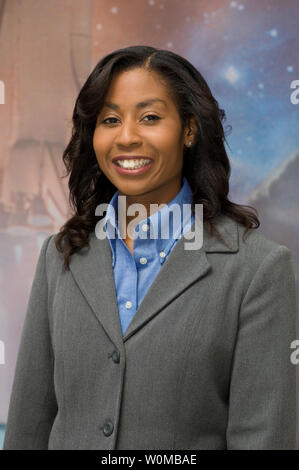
(162, 254)
(145, 227)
(143, 260)
(128, 304)
(108, 428)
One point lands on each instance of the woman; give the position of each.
(134, 342)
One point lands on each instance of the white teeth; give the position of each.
(133, 164)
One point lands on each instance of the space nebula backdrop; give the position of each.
(247, 50)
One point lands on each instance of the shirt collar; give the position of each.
(162, 219)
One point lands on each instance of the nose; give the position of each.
(127, 133)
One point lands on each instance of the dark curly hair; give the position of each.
(206, 164)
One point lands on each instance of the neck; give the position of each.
(158, 196)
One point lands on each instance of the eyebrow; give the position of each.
(141, 104)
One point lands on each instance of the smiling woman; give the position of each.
(140, 343)
(151, 168)
(149, 103)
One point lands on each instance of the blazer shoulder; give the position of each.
(53, 257)
(254, 246)
(51, 246)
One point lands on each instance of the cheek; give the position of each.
(101, 146)
(170, 146)
(166, 138)
(99, 149)
(97, 141)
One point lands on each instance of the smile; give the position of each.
(132, 166)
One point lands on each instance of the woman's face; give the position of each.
(132, 126)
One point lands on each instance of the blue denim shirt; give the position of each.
(134, 274)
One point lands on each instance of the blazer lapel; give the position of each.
(93, 272)
(181, 269)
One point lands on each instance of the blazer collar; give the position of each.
(158, 222)
(228, 228)
(92, 270)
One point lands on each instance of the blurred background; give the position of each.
(247, 50)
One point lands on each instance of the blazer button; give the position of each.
(108, 428)
(115, 356)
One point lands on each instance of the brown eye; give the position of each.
(156, 118)
(104, 122)
(152, 115)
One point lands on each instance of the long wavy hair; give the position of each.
(206, 165)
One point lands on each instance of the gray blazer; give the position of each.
(204, 364)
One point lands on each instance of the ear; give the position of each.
(190, 131)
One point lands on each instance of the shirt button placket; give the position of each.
(145, 227)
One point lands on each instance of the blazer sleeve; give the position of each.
(33, 406)
(262, 399)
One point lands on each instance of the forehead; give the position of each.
(139, 87)
(139, 105)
